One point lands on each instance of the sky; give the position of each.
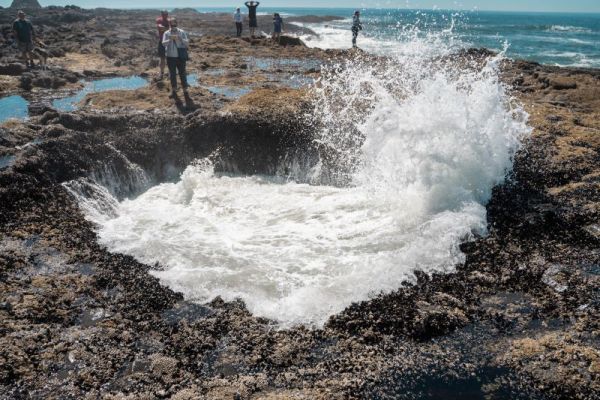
(500, 5)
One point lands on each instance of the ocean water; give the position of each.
(547, 38)
(410, 149)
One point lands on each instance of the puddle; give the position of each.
(193, 80)
(229, 91)
(281, 63)
(292, 81)
(6, 161)
(71, 103)
(298, 81)
(13, 107)
(215, 72)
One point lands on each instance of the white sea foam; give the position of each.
(569, 28)
(419, 145)
(408, 41)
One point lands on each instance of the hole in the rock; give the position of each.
(299, 226)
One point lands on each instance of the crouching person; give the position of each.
(176, 44)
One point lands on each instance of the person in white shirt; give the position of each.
(176, 44)
(238, 19)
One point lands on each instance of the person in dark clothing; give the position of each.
(24, 34)
(356, 27)
(277, 26)
(252, 5)
(176, 43)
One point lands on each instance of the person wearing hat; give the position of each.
(356, 27)
(238, 19)
(24, 34)
(162, 24)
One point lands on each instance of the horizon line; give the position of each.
(344, 8)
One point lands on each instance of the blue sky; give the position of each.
(504, 5)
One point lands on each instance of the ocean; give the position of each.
(548, 38)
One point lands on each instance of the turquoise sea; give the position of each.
(563, 39)
(548, 38)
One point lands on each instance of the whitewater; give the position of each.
(418, 143)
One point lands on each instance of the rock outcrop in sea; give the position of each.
(25, 4)
(519, 319)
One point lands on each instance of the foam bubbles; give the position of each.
(410, 150)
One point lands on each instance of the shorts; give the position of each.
(25, 46)
(161, 50)
(253, 23)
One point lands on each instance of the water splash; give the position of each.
(410, 148)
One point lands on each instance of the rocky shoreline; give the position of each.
(520, 319)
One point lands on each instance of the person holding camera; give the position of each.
(176, 44)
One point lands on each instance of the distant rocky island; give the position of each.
(25, 4)
(519, 319)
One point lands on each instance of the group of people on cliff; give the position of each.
(238, 19)
(173, 42)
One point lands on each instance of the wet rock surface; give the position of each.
(518, 320)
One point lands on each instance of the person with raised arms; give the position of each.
(253, 22)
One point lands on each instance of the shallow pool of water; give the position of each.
(71, 103)
(6, 161)
(229, 91)
(13, 107)
(266, 63)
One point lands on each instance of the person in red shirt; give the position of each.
(162, 24)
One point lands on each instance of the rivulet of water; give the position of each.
(411, 146)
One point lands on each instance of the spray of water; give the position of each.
(410, 150)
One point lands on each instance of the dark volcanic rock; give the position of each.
(519, 319)
(12, 69)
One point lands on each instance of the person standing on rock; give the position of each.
(176, 44)
(252, 5)
(277, 26)
(162, 24)
(356, 27)
(24, 34)
(238, 19)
